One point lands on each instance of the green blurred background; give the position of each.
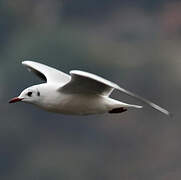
(136, 44)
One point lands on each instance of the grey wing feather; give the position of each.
(153, 105)
(84, 82)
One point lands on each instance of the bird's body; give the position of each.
(81, 93)
(74, 104)
(77, 104)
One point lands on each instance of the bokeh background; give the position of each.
(136, 44)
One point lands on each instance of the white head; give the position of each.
(30, 95)
(43, 95)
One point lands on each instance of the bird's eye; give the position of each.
(29, 94)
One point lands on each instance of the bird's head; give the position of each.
(29, 95)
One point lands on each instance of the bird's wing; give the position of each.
(46, 73)
(84, 82)
(87, 83)
(153, 105)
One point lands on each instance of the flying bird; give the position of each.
(80, 93)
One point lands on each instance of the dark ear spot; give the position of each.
(38, 93)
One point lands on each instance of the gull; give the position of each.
(80, 93)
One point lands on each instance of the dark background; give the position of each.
(136, 44)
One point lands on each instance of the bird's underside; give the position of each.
(87, 104)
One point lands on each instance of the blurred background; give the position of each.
(136, 44)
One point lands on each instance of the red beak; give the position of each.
(14, 100)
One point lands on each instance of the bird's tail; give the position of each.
(134, 106)
(129, 105)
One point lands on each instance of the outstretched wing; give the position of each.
(84, 82)
(46, 73)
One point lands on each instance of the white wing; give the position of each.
(46, 73)
(84, 82)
